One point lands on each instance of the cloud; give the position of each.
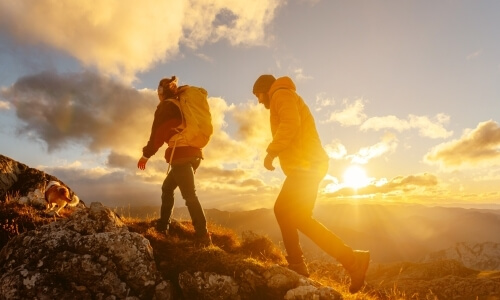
(335, 149)
(386, 122)
(388, 144)
(323, 101)
(4, 105)
(427, 128)
(251, 134)
(83, 108)
(397, 185)
(124, 37)
(351, 115)
(430, 129)
(300, 76)
(476, 148)
(475, 55)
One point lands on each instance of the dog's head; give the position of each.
(51, 184)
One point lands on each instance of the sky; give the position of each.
(405, 94)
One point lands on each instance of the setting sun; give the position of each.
(355, 177)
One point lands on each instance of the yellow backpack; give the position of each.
(196, 128)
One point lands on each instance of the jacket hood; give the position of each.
(282, 83)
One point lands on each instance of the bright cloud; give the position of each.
(397, 185)
(387, 145)
(335, 150)
(430, 129)
(426, 127)
(351, 115)
(123, 37)
(476, 148)
(300, 76)
(323, 101)
(387, 122)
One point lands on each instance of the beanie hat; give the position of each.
(263, 84)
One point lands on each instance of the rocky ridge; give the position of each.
(479, 256)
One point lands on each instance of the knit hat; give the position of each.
(263, 84)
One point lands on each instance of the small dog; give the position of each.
(57, 194)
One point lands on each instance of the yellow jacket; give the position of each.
(295, 139)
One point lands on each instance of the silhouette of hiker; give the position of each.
(304, 161)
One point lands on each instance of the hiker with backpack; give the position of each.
(304, 161)
(182, 119)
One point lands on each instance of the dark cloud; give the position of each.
(79, 107)
(236, 178)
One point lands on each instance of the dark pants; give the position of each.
(293, 211)
(182, 176)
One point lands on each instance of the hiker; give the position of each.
(183, 160)
(304, 162)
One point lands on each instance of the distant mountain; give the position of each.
(444, 279)
(395, 232)
(478, 256)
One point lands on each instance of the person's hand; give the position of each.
(268, 162)
(142, 163)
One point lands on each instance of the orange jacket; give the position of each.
(295, 139)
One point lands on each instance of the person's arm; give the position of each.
(167, 117)
(289, 124)
(289, 121)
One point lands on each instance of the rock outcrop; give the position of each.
(89, 255)
(478, 256)
(19, 180)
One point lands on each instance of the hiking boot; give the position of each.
(203, 240)
(163, 228)
(357, 270)
(300, 268)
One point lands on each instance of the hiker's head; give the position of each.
(167, 88)
(261, 88)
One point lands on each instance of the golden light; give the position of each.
(355, 177)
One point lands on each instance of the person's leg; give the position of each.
(306, 190)
(184, 177)
(285, 211)
(355, 262)
(167, 200)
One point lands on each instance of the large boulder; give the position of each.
(89, 255)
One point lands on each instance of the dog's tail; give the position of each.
(74, 201)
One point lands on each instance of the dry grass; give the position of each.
(17, 218)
